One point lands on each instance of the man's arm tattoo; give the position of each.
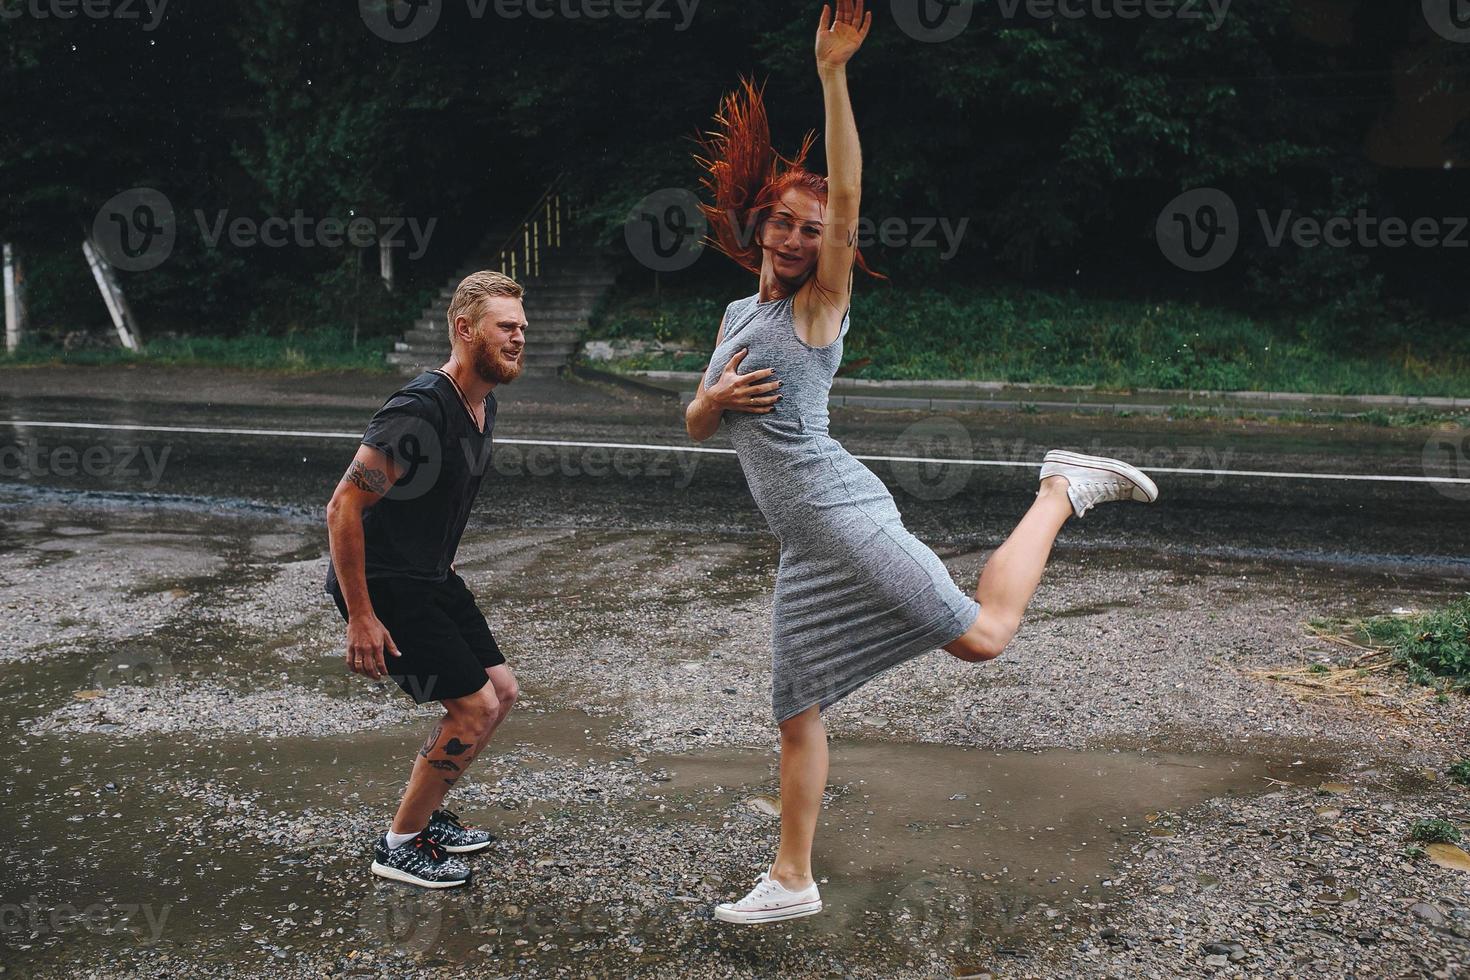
(373, 481)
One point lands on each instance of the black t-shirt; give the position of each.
(413, 531)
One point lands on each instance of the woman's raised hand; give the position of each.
(744, 392)
(838, 40)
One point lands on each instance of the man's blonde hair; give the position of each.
(474, 289)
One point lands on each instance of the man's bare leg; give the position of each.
(445, 755)
(507, 691)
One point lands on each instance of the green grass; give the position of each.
(1459, 772)
(1406, 419)
(1434, 832)
(1035, 337)
(1431, 644)
(318, 350)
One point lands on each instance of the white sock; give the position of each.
(398, 840)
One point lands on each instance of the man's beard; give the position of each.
(493, 369)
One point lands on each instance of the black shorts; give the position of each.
(445, 642)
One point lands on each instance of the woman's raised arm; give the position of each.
(838, 39)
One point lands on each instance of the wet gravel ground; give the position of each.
(186, 744)
(666, 635)
(600, 868)
(1301, 881)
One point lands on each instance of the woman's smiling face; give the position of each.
(792, 236)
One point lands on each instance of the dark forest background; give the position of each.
(1059, 140)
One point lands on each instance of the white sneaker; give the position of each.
(770, 901)
(1097, 479)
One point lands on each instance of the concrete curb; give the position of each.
(630, 382)
(988, 405)
(846, 392)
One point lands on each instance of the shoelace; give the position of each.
(1090, 492)
(765, 887)
(448, 817)
(436, 853)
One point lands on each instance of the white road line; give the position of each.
(327, 434)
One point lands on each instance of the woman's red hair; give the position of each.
(742, 176)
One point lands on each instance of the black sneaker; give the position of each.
(454, 836)
(421, 861)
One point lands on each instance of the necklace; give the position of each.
(462, 399)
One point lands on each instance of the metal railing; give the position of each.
(541, 230)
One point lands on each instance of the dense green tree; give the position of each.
(1058, 139)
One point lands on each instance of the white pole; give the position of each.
(14, 305)
(385, 263)
(117, 306)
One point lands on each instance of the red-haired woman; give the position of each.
(856, 593)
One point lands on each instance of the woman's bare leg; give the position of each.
(1013, 572)
(803, 780)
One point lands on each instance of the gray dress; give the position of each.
(856, 593)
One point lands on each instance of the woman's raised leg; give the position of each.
(1012, 573)
(1070, 484)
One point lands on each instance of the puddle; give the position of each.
(1025, 829)
(174, 843)
(118, 836)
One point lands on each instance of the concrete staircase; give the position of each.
(570, 277)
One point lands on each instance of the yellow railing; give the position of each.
(541, 230)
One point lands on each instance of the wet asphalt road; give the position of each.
(307, 426)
